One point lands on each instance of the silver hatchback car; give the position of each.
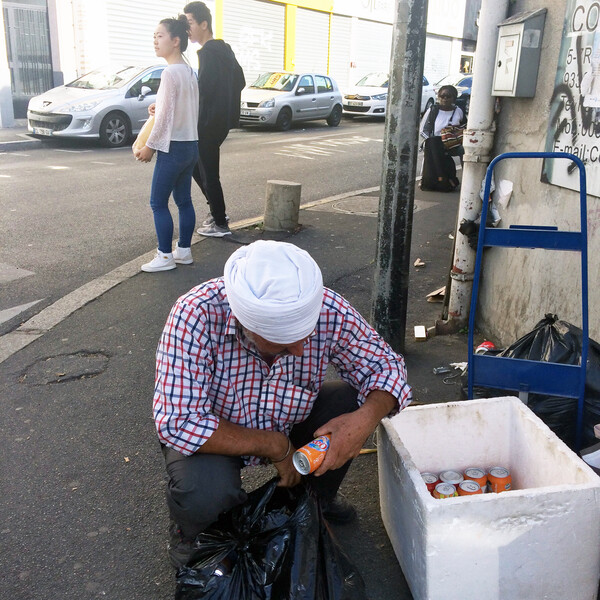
(280, 98)
(110, 104)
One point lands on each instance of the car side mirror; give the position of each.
(144, 92)
(300, 91)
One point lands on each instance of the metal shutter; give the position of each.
(438, 52)
(312, 41)
(131, 26)
(340, 49)
(374, 51)
(256, 31)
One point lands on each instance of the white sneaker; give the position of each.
(161, 262)
(182, 256)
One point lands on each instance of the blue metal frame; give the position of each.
(526, 375)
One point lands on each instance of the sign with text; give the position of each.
(574, 123)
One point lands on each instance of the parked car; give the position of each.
(110, 103)
(368, 98)
(462, 82)
(281, 98)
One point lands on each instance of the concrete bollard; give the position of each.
(282, 205)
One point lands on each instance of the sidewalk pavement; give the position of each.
(82, 498)
(16, 137)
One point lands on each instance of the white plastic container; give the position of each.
(540, 540)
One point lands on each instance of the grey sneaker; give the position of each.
(214, 231)
(210, 220)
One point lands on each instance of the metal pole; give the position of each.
(478, 141)
(399, 170)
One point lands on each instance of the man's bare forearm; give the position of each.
(234, 440)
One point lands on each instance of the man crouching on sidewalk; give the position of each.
(240, 380)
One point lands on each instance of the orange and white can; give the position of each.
(500, 479)
(431, 480)
(453, 477)
(308, 458)
(476, 474)
(469, 488)
(444, 490)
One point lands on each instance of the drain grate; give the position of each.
(65, 367)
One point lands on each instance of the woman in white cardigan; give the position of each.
(175, 139)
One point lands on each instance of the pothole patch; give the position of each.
(65, 367)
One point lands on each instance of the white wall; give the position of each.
(520, 286)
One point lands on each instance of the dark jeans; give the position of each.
(206, 175)
(202, 486)
(173, 173)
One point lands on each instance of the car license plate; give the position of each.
(355, 103)
(245, 113)
(42, 131)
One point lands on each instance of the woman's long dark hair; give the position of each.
(178, 27)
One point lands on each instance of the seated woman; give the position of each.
(439, 170)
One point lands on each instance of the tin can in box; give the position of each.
(453, 477)
(444, 490)
(477, 474)
(431, 480)
(308, 458)
(469, 488)
(500, 479)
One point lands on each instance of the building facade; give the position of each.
(50, 42)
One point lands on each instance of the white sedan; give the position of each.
(368, 97)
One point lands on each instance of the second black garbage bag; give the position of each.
(275, 546)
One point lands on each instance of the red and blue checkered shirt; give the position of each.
(207, 370)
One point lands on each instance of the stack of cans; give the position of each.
(473, 480)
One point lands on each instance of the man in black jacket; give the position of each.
(220, 81)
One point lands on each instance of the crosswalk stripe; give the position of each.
(10, 273)
(9, 313)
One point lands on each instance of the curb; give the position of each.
(26, 144)
(52, 315)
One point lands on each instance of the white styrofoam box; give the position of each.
(541, 540)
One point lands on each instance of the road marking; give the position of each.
(10, 273)
(56, 168)
(6, 176)
(71, 151)
(99, 162)
(322, 147)
(9, 313)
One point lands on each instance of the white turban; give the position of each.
(275, 290)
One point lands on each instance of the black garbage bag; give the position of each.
(275, 546)
(557, 341)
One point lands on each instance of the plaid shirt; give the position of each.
(206, 369)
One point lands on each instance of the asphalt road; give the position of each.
(72, 211)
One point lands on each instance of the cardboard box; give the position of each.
(539, 540)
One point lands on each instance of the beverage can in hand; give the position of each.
(308, 458)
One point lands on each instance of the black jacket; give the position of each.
(220, 82)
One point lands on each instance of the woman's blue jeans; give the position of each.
(173, 173)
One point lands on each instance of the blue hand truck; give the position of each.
(528, 376)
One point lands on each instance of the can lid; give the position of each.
(451, 476)
(429, 477)
(301, 463)
(475, 472)
(499, 472)
(446, 489)
(469, 486)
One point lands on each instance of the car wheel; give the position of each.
(333, 120)
(429, 104)
(284, 119)
(467, 104)
(115, 130)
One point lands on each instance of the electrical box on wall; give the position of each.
(518, 54)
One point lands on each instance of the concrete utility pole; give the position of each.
(399, 171)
